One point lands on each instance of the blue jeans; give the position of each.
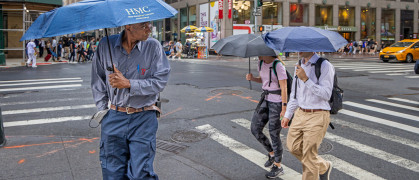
(128, 145)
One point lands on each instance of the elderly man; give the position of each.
(141, 71)
(312, 116)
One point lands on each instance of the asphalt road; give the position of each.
(207, 107)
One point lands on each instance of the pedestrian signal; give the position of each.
(261, 28)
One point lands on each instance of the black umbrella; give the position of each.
(243, 45)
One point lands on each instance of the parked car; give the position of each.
(406, 50)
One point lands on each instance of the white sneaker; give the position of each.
(34, 66)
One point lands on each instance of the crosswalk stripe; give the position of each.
(405, 100)
(412, 77)
(380, 69)
(395, 71)
(40, 87)
(23, 111)
(378, 133)
(43, 82)
(337, 163)
(43, 101)
(252, 155)
(397, 74)
(373, 68)
(397, 160)
(350, 169)
(32, 80)
(367, 65)
(393, 104)
(380, 121)
(45, 121)
(380, 110)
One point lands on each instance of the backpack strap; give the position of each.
(274, 67)
(317, 67)
(260, 64)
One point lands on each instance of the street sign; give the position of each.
(257, 14)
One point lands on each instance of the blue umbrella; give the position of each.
(304, 39)
(97, 14)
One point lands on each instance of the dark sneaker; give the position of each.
(275, 172)
(270, 161)
(326, 175)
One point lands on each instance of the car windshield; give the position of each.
(402, 44)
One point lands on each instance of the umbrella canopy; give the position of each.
(204, 29)
(97, 14)
(304, 39)
(188, 28)
(243, 45)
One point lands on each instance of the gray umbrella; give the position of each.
(243, 45)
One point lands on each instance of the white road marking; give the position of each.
(412, 77)
(380, 121)
(252, 155)
(380, 110)
(380, 69)
(43, 101)
(350, 169)
(393, 104)
(44, 82)
(339, 164)
(23, 111)
(45, 121)
(32, 80)
(397, 74)
(385, 156)
(378, 133)
(40, 87)
(405, 100)
(395, 71)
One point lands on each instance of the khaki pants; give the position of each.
(304, 138)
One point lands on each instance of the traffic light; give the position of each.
(261, 28)
(260, 3)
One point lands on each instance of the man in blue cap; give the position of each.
(141, 71)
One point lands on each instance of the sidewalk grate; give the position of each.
(171, 147)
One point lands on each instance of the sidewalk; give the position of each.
(17, 62)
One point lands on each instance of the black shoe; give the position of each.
(270, 161)
(326, 175)
(275, 172)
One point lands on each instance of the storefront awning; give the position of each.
(339, 28)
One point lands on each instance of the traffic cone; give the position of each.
(2, 137)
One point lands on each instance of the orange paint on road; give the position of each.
(248, 98)
(58, 142)
(92, 151)
(176, 110)
(21, 161)
(212, 97)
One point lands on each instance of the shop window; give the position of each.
(406, 24)
(272, 13)
(299, 15)
(368, 26)
(192, 15)
(346, 16)
(388, 27)
(324, 15)
(242, 12)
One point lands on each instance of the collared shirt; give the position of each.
(312, 94)
(30, 47)
(54, 43)
(146, 67)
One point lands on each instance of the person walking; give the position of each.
(128, 131)
(41, 48)
(72, 51)
(310, 102)
(54, 48)
(31, 48)
(179, 48)
(271, 108)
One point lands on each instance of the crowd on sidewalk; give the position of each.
(368, 46)
(73, 49)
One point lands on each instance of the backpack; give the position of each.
(336, 100)
(289, 77)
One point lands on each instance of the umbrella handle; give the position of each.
(110, 54)
(250, 82)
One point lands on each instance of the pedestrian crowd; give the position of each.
(73, 49)
(366, 47)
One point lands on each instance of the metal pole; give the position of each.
(24, 30)
(2, 137)
(256, 19)
(250, 82)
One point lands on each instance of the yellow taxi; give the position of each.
(406, 50)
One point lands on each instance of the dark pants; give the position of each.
(268, 112)
(128, 145)
(72, 55)
(41, 51)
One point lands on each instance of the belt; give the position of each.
(130, 110)
(311, 110)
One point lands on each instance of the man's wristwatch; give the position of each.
(284, 104)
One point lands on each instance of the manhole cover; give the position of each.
(188, 136)
(325, 146)
(381, 79)
(413, 88)
(226, 91)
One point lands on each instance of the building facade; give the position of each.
(381, 20)
(16, 17)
